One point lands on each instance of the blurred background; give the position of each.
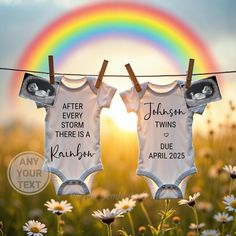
(178, 30)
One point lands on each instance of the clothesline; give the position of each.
(117, 75)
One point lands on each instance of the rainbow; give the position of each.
(81, 26)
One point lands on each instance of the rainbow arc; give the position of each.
(79, 27)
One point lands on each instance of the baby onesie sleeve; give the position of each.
(105, 94)
(131, 100)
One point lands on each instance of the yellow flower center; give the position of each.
(125, 207)
(34, 229)
(59, 208)
(223, 219)
(233, 204)
(176, 219)
(191, 233)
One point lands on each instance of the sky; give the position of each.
(213, 21)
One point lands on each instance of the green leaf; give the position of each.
(169, 214)
(153, 230)
(169, 229)
(122, 233)
(164, 217)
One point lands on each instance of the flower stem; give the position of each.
(1, 232)
(222, 229)
(167, 205)
(58, 225)
(164, 216)
(131, 223)
(109, 232)
(196, 218)
(230, 186)
(146, 213)
(233, 225)
(177, 230)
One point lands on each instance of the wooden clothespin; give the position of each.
(133, 78)
(101, 74)
(189, 73)
(51, 69)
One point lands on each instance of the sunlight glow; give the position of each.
(144, 60)
(123, 119)
(126, 51)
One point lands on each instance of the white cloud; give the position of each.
(17, 2)
(10, 2)
(72, 3)
(64, 3)
(224, 50)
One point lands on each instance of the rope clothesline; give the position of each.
(116, 75)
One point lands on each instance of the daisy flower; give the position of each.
(107, 216)
(126, 205)
(204, 206)
(142, 229)
(58, 208)
(34, 228)
(230, 202)
(231, 170)
(191, 201)
(139, 197)
(214, 171)
(35, 213)
(210, 232)
(100, 193)
(195, 227)
(191, 233)
(176, 219)
(223, 217)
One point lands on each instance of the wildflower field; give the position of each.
(209, 207)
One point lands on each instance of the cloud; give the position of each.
(72, 3)
(64, 3)
(18, 2)
(10, 2)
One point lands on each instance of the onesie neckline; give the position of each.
(173, 85)
(84, 80)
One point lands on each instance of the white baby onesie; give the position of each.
(72, 135)
(166, 157)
